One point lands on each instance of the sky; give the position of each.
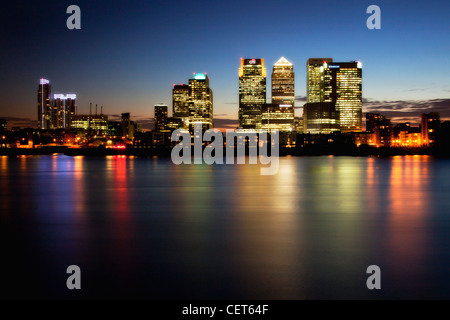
(128, 54)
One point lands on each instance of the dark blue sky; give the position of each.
(129, 53)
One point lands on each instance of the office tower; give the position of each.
(343, 86)
(44, 105)
(252, 92)
(431, 124)
(338, 82)
(160, 117)
(277, 117)
(63, 110)
(283, 83)
(283, 95)
(180, 101)
(320, 118)
(200, 102)
(315, 79)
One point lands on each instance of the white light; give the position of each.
(65, 97)
(359, 65)
(44, 81)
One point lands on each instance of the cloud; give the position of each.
(300, 98)
(226, 123)
(408, 110)
(20, 122)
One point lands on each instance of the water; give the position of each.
(145, 228)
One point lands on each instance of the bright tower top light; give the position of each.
(200, 76)
(65, 97)
(44, 81)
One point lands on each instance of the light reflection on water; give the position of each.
(147, 228)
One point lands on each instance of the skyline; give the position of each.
(124, 59)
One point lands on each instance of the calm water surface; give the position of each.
(145, 228)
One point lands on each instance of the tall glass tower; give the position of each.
(283, 97)
(64, 108)
(252, 92)
(44, 105)
(283, 83)
(314, 79)
(343, 86)
(200, 102)
(339, 83)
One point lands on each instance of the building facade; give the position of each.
(63, 110)
(343, 86)
(200, 102)
(431, 124)
(252, 92)
(277, 117)
(283, 95)
(44, 105)
(315, 79)
(160, 117)
(180, 102)
(340, 83)
(320, 118)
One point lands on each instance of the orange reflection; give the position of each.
(409, 206)
(80, 199)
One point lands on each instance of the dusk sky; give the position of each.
(128, 54)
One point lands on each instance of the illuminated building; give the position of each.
(44, 105)
(92, 124)
(320, 118)
(174, 124)
(283, 83)
(283, 94)
(277, 117)
(252, 92)
(160, 117)
(365, 138)
(200, 102)
(382, 127)
(343, 86)
(373, 120)
(298, 124)
(180, 101)
(3, 125)
(431, 124)
(408, 139)
(315, 79)
(64, 108)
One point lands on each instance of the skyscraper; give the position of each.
(252, 92)
(44, 105)
(63, 110)
(283, 95)
(160, 117)
(314, 79)
(283, 83)
(180, 101)
(200, 102)
(343, 86)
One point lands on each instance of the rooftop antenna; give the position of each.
(101, 112)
